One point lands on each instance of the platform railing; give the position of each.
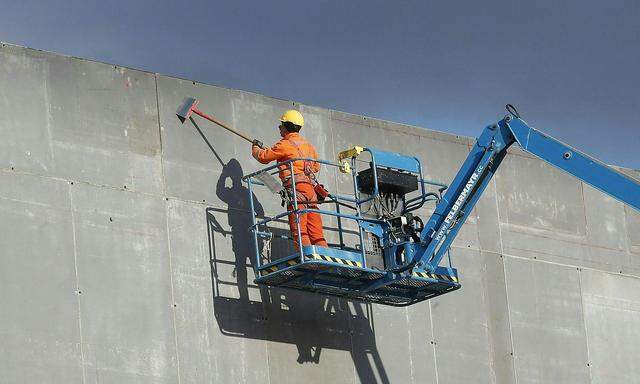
(411, 204)
(335, 198)
(339, 200)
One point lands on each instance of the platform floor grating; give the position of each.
(340, 280)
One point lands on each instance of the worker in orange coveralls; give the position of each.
(291, 146)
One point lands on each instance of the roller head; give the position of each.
(186, 109)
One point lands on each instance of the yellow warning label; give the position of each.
(427, 275)
(335, 260)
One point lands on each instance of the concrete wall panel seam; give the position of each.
(411, 362)
(127, 190)
(504, 271)
(78, 289)
(513, 351)
(173, 297)
(433, 344)
(163, 182)
(572, 266)
(584, 320)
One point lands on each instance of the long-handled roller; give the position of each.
(190, 106)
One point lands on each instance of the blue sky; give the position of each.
(571, 67)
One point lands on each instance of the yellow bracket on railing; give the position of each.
(352, 152)
(345, 166)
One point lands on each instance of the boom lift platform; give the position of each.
(397, 260)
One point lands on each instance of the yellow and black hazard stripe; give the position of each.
(427, 275)
(351, 263)
(314, 256)
(276, 267)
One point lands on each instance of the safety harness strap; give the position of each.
(310, 176)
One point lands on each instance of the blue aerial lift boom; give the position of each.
(397, 261)
(482, 163)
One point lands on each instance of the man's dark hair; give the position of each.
(290, 127)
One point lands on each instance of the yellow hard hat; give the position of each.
(293, 116)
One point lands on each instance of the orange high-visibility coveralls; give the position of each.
(291, 146)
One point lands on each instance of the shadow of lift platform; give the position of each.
(340, 273)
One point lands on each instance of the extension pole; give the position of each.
(223, 125)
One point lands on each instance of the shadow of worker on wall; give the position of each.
(310, 322)
(239, 215)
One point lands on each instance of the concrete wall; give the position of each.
(123, 251)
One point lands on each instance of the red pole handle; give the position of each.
(220, 123)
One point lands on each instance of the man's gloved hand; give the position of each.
(257, 143)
